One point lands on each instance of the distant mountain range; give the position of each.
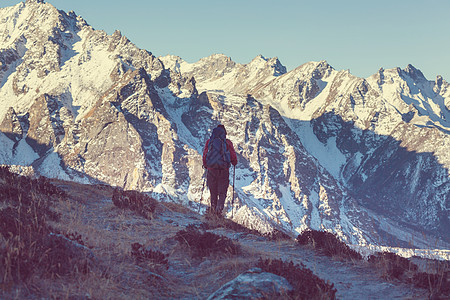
(318, 148)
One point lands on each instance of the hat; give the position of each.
(220, 125)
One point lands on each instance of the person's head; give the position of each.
(221, 126)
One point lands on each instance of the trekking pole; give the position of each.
(232, 199)
(203, 188)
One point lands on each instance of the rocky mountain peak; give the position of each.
(11, 125)
(380, 76)
(321, 70)
(117, 34)
(414, 73)
(217, 58)
(314, 69)
(215, 66)
(260, 62)
(441, 84)
(172, 62)
(34, 1)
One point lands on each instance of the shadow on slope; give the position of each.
(410, 187)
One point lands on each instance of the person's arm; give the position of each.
(233, 155)
(205, 151)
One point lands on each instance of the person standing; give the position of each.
(218, 156)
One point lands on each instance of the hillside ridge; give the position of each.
(108, 234)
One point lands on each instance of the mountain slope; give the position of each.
(388, 134)
(140, 256)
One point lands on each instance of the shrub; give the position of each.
(61, 256)
(392, 265)
(278, 235)
(437, 284)
(74, 237)
(45, 187)
(41, 252)
(229, 224)
(328, 243)
(305, 283)
(142, 255)
(135, 201)
(275, 235)
(204, 243)
(29, 247)
(13, 181)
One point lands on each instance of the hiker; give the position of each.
(218, 156)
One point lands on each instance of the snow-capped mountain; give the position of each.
(317, 148)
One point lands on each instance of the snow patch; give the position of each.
(330, 157)
(51, 167)
(16, 154)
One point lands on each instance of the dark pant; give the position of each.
(218, 181)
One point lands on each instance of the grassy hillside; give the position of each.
(67, 240)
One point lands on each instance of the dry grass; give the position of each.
(306, 285)
(135, 201)
(172, 207)
(328, 244)
(389, 265)
(110, 233)
(394, 267)
(161, 267)
(201, 243)
(32, 252)
(61, 274)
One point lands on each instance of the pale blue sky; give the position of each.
(358, 35)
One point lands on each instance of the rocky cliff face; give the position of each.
(317, 148)
(390, 130)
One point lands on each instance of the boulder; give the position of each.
(253, 284)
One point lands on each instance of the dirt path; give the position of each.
(111, 231)
(356, 280)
